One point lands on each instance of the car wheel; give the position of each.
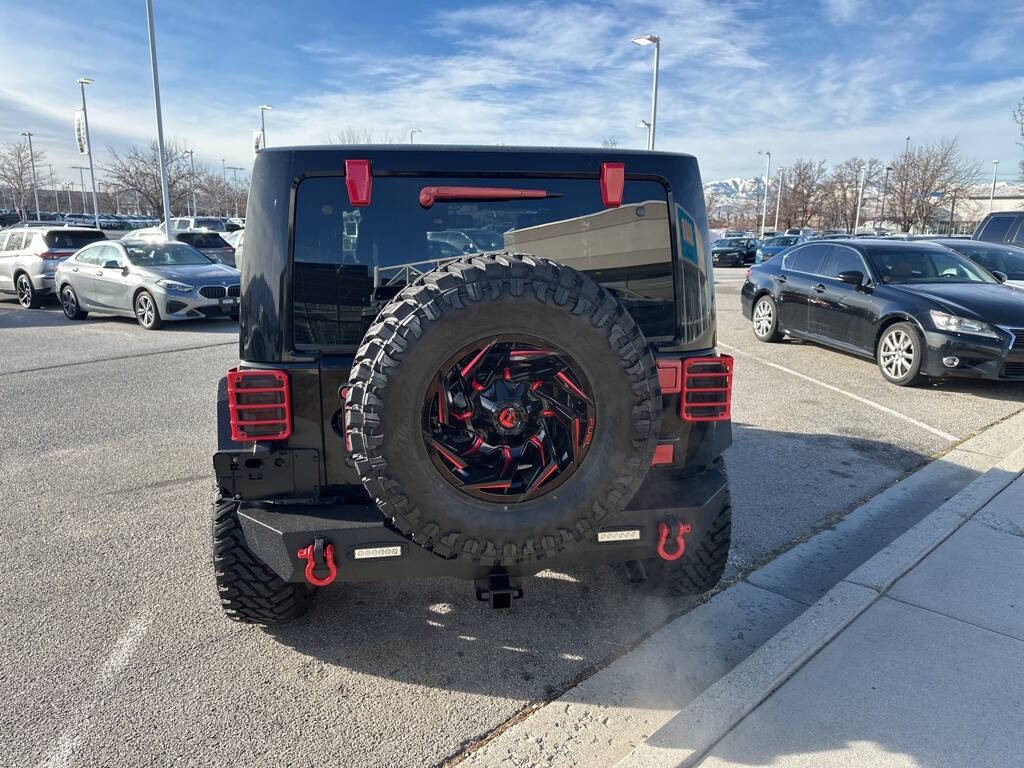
(146, 311)
(27, 296)
(69, 303)
(899, 354)
(765, 318)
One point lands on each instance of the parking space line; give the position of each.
(858, 398)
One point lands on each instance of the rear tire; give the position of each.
(249, 591)
(69, 303)
(765, 320)
(28, 296)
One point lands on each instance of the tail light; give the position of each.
(260, 405)
(53, 255)
(706, 389)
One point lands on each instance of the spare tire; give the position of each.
(502, 407)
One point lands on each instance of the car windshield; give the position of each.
(781, 241)
(908, 265)
(165, 255)
(1009, 261)
(732, 242)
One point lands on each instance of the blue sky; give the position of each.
(825, 79)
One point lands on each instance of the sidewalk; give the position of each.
(915, 659)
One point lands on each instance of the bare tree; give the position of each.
(711, 202)
(804, 181)
(16, 172)
(610, 143)
(925, 177)
(842, 189)
(352, 135)
(136, 173)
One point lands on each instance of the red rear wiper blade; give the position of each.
(430, 195)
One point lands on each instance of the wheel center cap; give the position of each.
(509, 418)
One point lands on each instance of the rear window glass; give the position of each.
(997, 227)
(349, 262)
(213, 224)
(71, 240)
(202, 239)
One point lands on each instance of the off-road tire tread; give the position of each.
(456, 286)
(249, 591)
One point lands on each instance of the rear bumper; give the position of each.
(275, 532)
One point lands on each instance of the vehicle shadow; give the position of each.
(433, 632)
(50, 315)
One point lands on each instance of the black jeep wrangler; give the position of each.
(404, 409)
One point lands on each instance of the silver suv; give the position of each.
(29, 256)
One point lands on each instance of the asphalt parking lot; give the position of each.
(105, 474)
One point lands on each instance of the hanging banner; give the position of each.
(83, 143)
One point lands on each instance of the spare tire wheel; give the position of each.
(501, 407)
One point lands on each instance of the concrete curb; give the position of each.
(693, 732)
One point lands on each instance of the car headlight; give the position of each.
(174, 285)
(947, 322)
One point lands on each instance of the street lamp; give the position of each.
(84, 81)
(860, 196)
(234, 192)
(192, 178)
(159, 121)
(885, 191)
(992, 194)
(656, 42)
(767, 175)
(54, 182)
(646, 124)
(263, 123)
(67, 185)
(778, 201)
(412, 131)
(81, 178)
(32, 162)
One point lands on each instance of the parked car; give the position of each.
(776, 245)
(150, 281)
(30, 255)
(210, 243)
(917, 308)
(501, 409)
(1005, 260)
(236, 240)
(734, 251)
(1003, 227)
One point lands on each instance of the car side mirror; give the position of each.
(1002, 277)
(852, 277)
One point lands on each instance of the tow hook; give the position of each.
(317, 555)
(664, 530)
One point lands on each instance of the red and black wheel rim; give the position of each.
(508, 418)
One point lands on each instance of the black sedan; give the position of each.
(734, 251)
(917, 308)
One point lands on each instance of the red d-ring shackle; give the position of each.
(309, 554)
(664, 529)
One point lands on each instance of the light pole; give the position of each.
(32, 162)
(81, 178)
(860, 196)
(159, 121)
(992, 193)
(84, 81)
(55, 190)
(906, 149)
(778, 201)
(192, 178)
(263, 123)
(234, 191)
(645, 124)
(413, 131)
(654, 40)
(885, 191)
(67, 188)
(767, 175)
